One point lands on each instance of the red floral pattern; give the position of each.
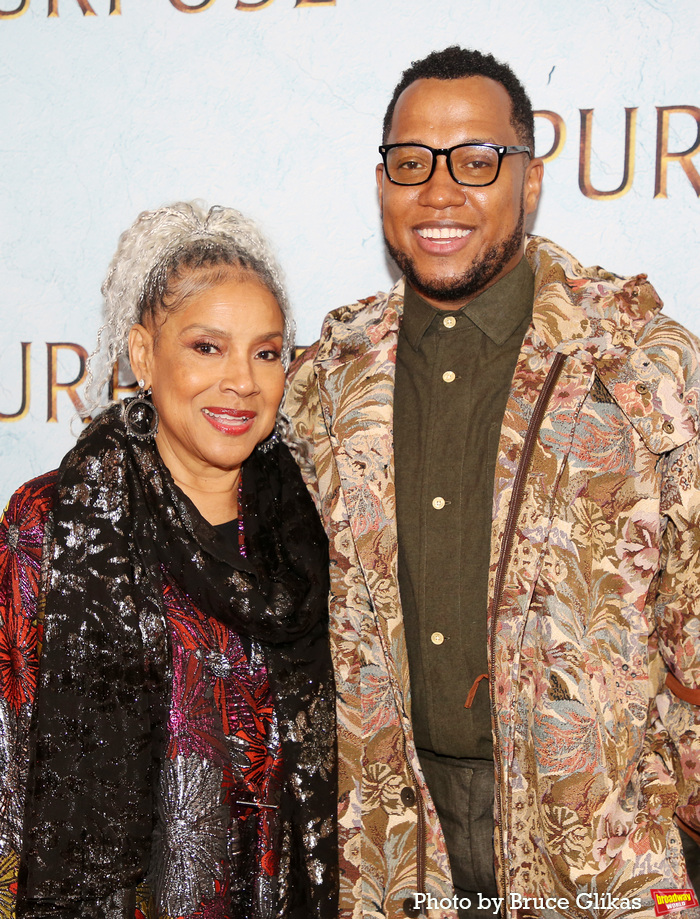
(18, 660)
(21, 541)
(222, 715)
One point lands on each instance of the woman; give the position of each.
(181, 756)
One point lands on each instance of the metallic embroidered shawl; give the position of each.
(105, 667)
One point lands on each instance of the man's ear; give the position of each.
(141, 353)
(533, 184)
(379, 172)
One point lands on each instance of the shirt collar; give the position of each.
(497, 312)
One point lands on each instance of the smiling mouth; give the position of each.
(442, 233)
(229, 421)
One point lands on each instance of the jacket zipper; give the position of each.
(420, 831)
(503, 561)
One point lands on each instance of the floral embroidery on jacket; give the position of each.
(599, 599)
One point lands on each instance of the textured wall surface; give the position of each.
(276, 109)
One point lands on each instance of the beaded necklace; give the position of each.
(241, 529)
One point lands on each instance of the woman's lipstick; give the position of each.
(229, 420)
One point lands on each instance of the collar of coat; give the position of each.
(588, 314)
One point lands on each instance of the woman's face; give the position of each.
(215, 368)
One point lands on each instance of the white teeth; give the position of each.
(442, 233)
(206, 411)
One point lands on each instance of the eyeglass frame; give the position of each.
(501, 150)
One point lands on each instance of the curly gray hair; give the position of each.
(166, 256)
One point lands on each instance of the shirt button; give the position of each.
(438, 503)
(449, 377)
(409, 907)
(437, 638)
(408, 796)
(449, 322)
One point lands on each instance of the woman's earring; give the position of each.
(140, 414)
(270, 441)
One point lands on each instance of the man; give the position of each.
(504, 450)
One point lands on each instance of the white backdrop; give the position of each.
(276, 109)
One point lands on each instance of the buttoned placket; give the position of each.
(452, 382)
(442, 489)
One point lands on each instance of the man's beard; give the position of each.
(474, 280)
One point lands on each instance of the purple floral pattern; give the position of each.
(214, 858)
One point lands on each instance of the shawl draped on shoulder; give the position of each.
(119, 522)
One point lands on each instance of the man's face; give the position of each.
(487, 223)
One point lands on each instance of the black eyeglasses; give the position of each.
(469, 164)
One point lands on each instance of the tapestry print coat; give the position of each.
(594, 600)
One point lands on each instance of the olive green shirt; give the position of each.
(453, 376)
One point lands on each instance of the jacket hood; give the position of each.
(586, 311)
(346, 330)
(578, 310)
(596, 317)
(606, 322)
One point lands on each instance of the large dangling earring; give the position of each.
(140, 414)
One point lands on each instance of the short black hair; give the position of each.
(454, 63)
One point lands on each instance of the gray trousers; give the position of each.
(462, 791)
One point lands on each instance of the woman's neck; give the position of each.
(213, 491)
(215, 508)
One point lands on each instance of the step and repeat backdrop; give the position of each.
(110, 107)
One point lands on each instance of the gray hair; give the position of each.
(156, 254)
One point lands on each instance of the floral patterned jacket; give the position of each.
(594, 618)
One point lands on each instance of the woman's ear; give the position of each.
(141, 353)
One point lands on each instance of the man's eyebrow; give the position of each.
(469, 140)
